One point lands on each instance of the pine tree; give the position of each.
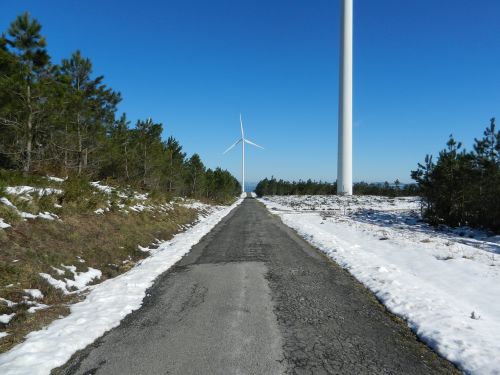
(25, 41)
(91, 106)
(195, 175)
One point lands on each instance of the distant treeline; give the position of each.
(310, 187)
(60, 118)
(461, 187)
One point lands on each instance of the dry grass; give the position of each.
(106, 242)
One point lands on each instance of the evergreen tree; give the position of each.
(463, 188)
(91, 107)
(28, 45)
(60, 119)
(195, 175)
(174, 165)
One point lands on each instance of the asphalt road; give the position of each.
(254, 298)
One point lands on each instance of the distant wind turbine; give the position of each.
(242, 140)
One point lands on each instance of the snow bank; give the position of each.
(6, 318)
(34, 293)
(104, 307)
(56, 179)
(79, 282)
(25, 215)
(24, 190)
(444, 284)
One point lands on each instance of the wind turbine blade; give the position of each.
(253, 144)
(232, 146)
(241, 125)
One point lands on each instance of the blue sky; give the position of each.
(423, 69)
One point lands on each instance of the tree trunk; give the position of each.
(29, 133)
(80, 146)
(145, 167)
(126, 162)
(66, 150)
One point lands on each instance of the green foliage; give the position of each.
(309, 187)
(9, 215)
(220, 185)
(280, 187)
(61, 119)
(463, 188)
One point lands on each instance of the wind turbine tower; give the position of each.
(243, 140)
(344, 169)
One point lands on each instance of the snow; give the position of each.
(3, 224)
(104, 188)
(99, 211)
(104, 307)
(58, 284)
(59, 271)
(26, 215)
(79, 282)
(56, 179)
(6, 318)
(141, 197)
(38, 306)
(445, 283)
(144, 249)
(47, 216)
(195, 205)
(24, 190)
(8, 302)
(83, 278)
(7, 202)
(3, 334)
(34, 293)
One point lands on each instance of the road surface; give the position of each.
(254, 298)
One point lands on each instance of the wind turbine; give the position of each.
(344, 170)
(242, 140)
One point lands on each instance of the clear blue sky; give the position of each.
(423, 69)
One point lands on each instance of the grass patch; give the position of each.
(106, 242)
(9, 215)
(16, 178)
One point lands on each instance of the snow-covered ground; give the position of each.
(105, 305)
(136, 201)
(444, 282)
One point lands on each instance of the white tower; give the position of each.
(344, 173)
(243, 140)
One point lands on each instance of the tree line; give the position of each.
(62, 119)
(273, 186)
(463, 187)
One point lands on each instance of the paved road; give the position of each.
(254, 298)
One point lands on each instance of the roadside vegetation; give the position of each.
(65, 235)
(273, 186)
(119, 190)
(462, 188)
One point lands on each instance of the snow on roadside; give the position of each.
(34, 293)
(25, 190)
(56, 179)
(3, 224)
(79, 282)
(25, 215)
(444, 284)
(104, 307)
(6, 318)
